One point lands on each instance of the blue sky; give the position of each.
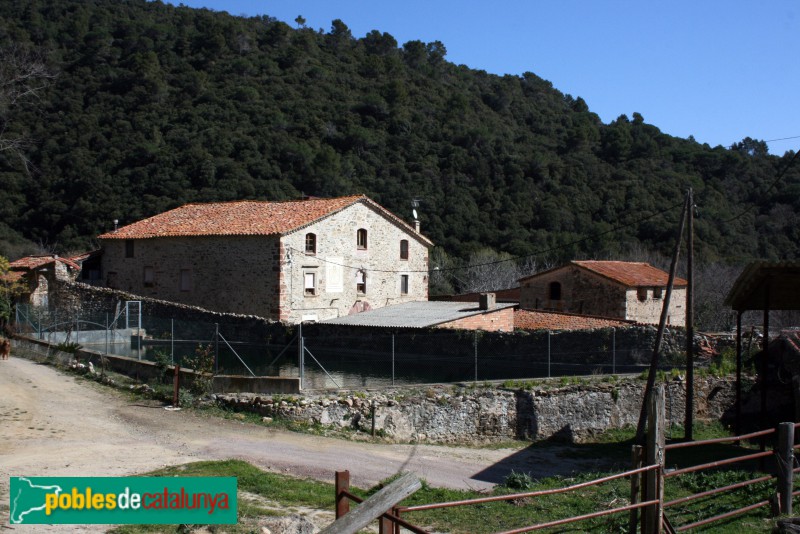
(719, 71)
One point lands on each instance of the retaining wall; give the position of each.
(447, 414)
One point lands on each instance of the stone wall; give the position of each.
(644, 305)
(456, 415)
(72, 298)
(337, 259)
(229, 274)
(584, 292)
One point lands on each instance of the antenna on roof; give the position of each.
(414, 205)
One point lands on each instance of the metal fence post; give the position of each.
(106, 334)
(342, 485)
(636, 483)
(785, 457)
(548, 354)
(77, 329)
(216, 348)
(300, 350)
(392, 359)
(476, 356)
(613, 350)
(172, 340)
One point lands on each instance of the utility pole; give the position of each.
(689, 421)
(651, 377)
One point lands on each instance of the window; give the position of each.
(404, 284)
(361, 239)
(310, 284)
(311, 244)
(642, 293)
(555, 291)
(404, 249)
(657, 292)
(186, 279)
(361, 282)
(129, 248)
(149, 277)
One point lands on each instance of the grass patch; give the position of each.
(290, 492)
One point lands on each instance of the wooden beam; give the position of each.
(375, 506)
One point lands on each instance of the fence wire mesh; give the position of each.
(335, 357)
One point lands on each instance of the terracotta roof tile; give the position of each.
(34, 262)
(629, 273)
(542, 320)
(245, 217)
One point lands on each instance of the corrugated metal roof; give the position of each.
(422, 314)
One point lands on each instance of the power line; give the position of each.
(513, 258)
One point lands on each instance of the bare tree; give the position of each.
(488, 271)
(23, 75)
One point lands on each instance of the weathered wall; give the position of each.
(490, 321)
(648, 310)
(231, 274)
(581, 292)
(337, 260)
(448, 415)
(587, 293)
(71, 298)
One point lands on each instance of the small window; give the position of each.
(361, 239)
(555, 290)
(149, 277)
(310, 284)
(404, 284)
(642, 293)
(129, 248)
(657, 292)
(361, 282)
(311, 244)
(186, 279)
(404, 249)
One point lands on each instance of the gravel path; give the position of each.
(59, 425)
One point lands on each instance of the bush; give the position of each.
(518, 481)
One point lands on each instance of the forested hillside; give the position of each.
(153, 106)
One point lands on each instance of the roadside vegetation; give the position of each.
(269, 494)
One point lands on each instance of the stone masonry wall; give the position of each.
(452, 415)
(337, 260)
(72, 298)
(649, 309)
(230, 274)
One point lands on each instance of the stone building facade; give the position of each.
(289, 261)
(626, 290)
(36, 274)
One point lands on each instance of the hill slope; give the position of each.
(155, 106)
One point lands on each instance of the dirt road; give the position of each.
(60, 425)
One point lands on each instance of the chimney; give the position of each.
(487, 301)
(416, 225)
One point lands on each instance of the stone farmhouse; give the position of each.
(294, 261)
(624, 290)
(35, 275)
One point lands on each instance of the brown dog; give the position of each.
(5, 348)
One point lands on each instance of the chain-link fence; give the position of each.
(339, 357)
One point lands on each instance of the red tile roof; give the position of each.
(629, 273)
(542, 320)
(34, 262)
(245, 217)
